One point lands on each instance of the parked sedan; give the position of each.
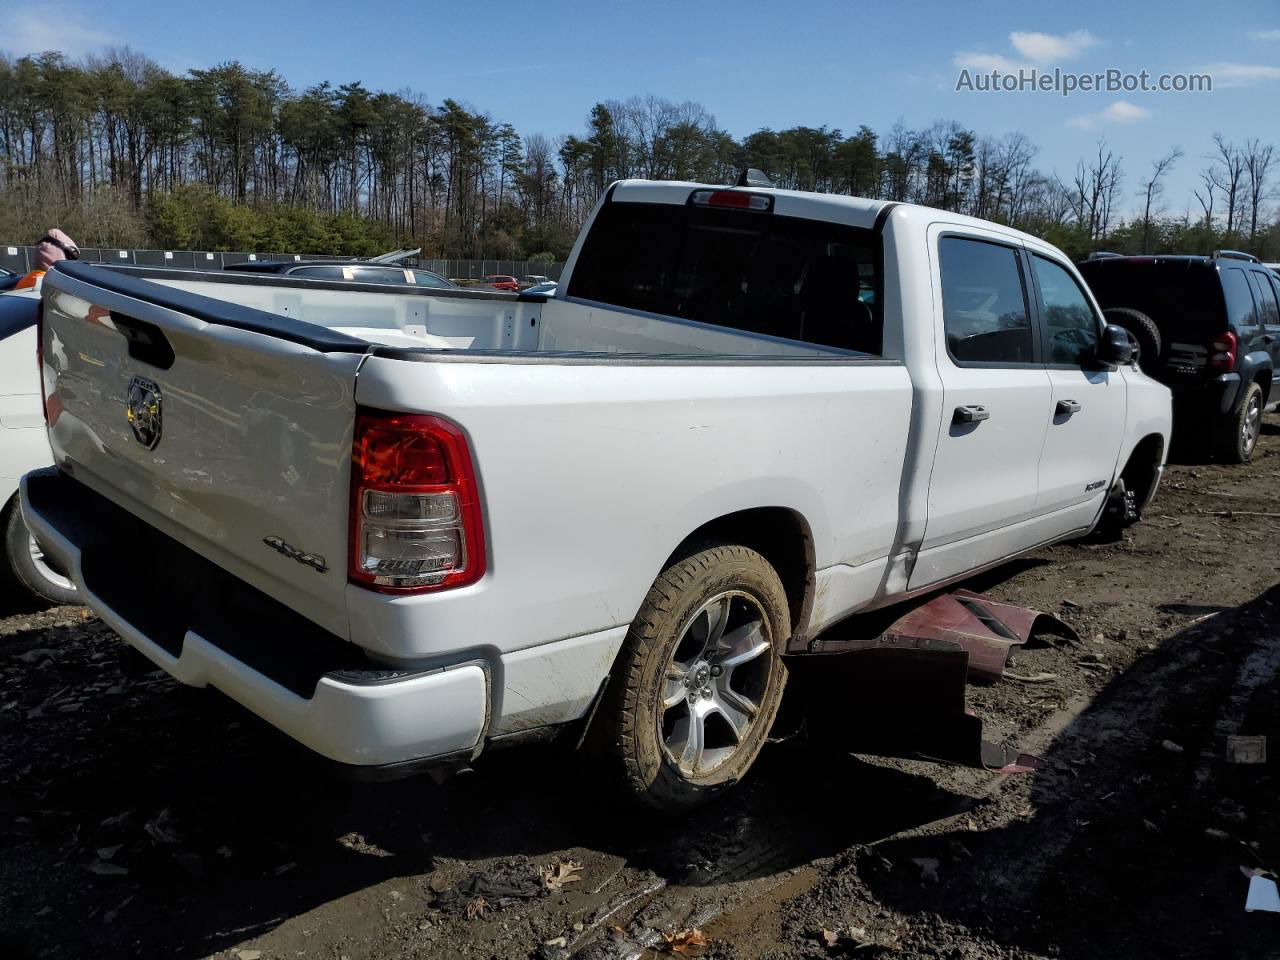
(501, 281)
(352, 271)
(23, 447)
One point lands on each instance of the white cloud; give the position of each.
(1240, 74)
(1036, 50)
(1120, 112)
(986, 62)
(68, 31)
(1265, 35)
(1044, 48)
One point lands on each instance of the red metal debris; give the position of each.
(986, 628)
(902, 691)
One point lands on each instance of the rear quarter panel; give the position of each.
(592, 473)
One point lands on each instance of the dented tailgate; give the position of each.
(227, 428)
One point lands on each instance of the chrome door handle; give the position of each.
(1067, 407)
(971, 413)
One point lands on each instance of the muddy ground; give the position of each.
(139, 818)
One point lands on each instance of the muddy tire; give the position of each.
(699, 679)
(1237, 434)
(1120, 512)
(1144, 331)
(27, 564)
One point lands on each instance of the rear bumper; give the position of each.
(1219, 395)
(206, 628)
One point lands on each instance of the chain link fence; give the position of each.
(18, 259)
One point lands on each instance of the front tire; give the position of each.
(1239, 431)
(32, 570)
(699, 680)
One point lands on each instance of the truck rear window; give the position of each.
(757, 272)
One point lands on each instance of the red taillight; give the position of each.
(1222, 351)
(415, 508)
(734, 199)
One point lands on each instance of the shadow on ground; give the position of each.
(143, 817)
(1137, 828)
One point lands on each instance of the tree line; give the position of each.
(120, 151)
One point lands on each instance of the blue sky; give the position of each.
(541, 65)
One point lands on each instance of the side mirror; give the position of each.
(1116, 348)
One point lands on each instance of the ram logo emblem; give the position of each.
(142, 410)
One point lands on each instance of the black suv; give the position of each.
(353, 271)
(1208, 327)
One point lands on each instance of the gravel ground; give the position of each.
(141, 818)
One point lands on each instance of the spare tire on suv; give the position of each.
(1144, 331)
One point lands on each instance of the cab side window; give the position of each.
(984, 302)
(1071, 326)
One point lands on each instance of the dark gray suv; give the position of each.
(1208, 328)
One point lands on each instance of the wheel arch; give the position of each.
(780, 535)
(1263, 377)
(1142, 470)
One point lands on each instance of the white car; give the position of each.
(24, 446)
(407, 525)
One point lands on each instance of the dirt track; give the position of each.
(138, 818)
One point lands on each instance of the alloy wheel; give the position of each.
(714, 683)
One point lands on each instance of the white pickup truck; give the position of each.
(404, 525)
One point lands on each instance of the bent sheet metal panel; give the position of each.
(904, 694)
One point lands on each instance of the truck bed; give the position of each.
(434, 319)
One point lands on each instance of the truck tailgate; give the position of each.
(226, 428)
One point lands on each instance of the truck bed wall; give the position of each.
(485, 321)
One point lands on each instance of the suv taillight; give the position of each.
(1222, 351)
(415, 510)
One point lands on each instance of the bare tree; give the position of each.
(1228, 176)
(1153, 189)
(1095, 187)
(1205, 198)
(1257, 163)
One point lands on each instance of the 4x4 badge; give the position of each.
(143, 411)
(312, 560)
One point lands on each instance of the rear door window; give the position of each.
(325, 272)
(1268, 309)
(1241, 310)
(787, 277)
(425, 279)
(984, 302)
(1070, 327)
(379, 275)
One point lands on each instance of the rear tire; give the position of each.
(1238, 432)
(1144, 332)
(28, 564)
(699, 679)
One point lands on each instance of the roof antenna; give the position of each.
(751, 177)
